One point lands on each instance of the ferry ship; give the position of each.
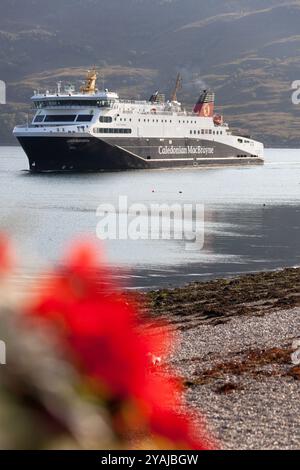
(95, 130)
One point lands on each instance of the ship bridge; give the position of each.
(104, 99)
(88, 96)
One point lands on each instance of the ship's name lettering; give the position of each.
(190, 150)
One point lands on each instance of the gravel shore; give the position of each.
(239, 376)
(236, 363)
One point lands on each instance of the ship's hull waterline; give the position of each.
(79, 154)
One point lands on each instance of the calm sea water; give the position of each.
(252, 217)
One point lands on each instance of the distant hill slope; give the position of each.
(247, 50)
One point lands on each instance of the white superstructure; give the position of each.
(103, 116)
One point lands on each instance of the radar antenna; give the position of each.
(178, 87)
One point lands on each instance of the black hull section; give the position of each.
(92, 154)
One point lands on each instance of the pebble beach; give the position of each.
(235, 356)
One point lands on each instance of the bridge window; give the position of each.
(72, 102)
(39, 118)
(84, 118)
(60, 118)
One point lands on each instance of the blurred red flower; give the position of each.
(178, 429)
(101, 326)
(6, 258)
(110, 343)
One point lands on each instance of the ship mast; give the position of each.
(90, 83)
(178, 87)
